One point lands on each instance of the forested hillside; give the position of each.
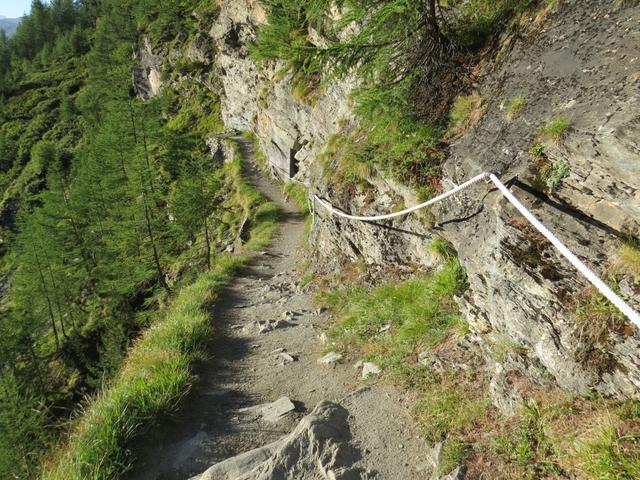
(108, 204)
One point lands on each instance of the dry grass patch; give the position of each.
(627, 261)
(465, 113)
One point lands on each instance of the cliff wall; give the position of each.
(575, 67)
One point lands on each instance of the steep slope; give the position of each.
(558, 62)
(576, 65)
(548, 103)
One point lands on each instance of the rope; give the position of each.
(602, 287)
(407, 211)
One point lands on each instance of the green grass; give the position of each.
(454, 453)
(596, 317)
(307, 89)
(555, 129)
(537, 151)
(516, 106)
(551, 435)
(483, 17)
(157, 374)
(529, 446)
(609, 453)
(155, 377)
(421, 313)
(450, 407)
(299, 195)
(441, 248)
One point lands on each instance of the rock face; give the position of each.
(291, 133)
(317, 449)
(579, 63)
(576, 64)
(579, 67)
(146, 76)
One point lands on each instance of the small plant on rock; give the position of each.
(558, 170)
(549, 173)
(537, 151)
(555, 129)
(627, 261)
(516, 107)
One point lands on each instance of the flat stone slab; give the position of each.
(271, 412)
(369, 369)
(330, 358)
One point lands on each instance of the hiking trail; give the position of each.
(268, 340)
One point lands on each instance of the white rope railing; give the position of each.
(602, 287)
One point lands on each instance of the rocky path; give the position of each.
(264, 386)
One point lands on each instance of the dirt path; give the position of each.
(249, 368)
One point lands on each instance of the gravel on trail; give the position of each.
(263, 391)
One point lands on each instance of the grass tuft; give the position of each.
(627, 261)
(466, 112)
(529, 446)
(299, 195)
(441, 248)
(597, 317)
(421, 313)
(516, 107)
(555, 129)
(450, 406)
(454, 453)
